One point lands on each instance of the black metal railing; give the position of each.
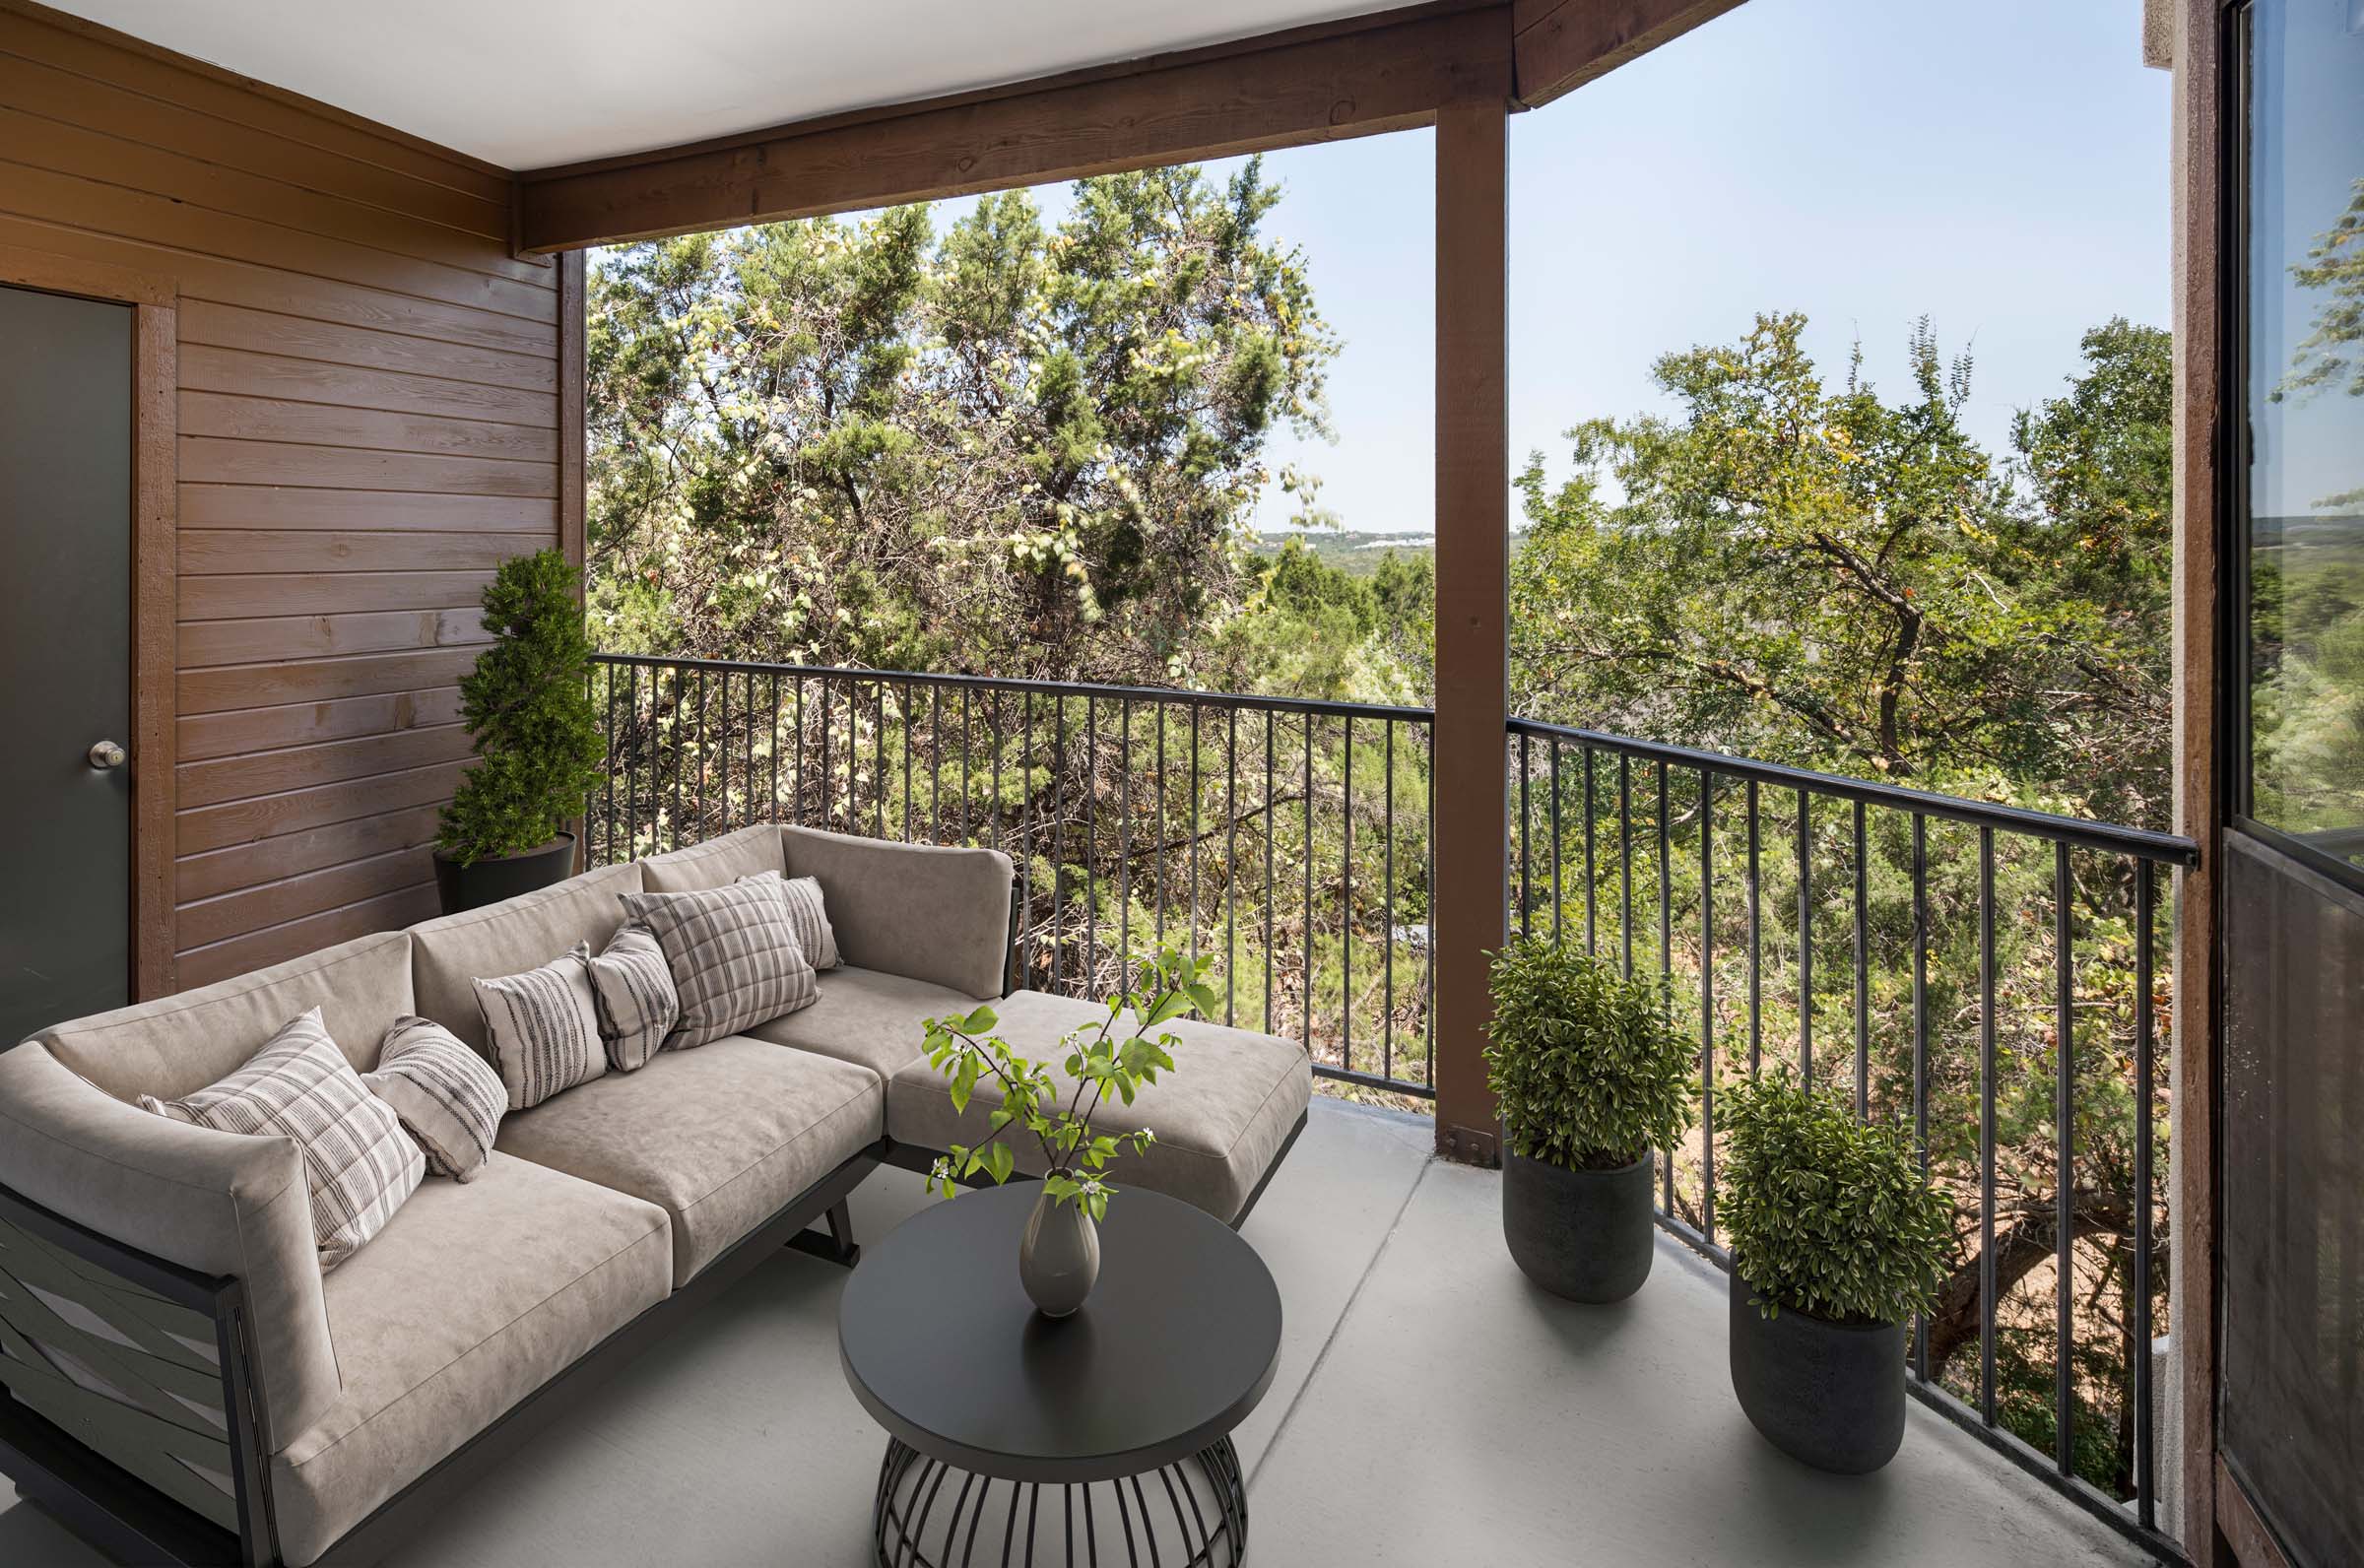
(1288, 837)
(1996, 983)
(1928, 955)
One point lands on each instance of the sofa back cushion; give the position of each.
(452, 953)
(177, 1045)
(918, 910)
(716, 863)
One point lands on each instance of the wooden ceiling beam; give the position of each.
(1383, 72)
(1559, 46)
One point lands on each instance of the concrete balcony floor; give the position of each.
(1430, 1407)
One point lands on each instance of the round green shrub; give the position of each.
(1826, 1214)
(1586, 1064)
(527, 705)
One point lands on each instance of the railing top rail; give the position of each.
(1318, 706)
(2166, 848)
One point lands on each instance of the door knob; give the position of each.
(106, 754)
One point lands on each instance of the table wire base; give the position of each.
(1190, 1514)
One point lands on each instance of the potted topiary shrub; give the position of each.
(1591, 1079)
(539, 750)
(1836, 1242)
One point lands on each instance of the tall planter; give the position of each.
(1581, 1234)
(474, 885)
(539, 747)
(1828, 1394)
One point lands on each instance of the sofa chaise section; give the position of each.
(1223, 1119)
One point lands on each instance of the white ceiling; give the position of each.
(526, 84)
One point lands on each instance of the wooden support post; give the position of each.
(1471, 832)
(2199, 392)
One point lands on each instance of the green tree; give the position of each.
(1008, 448)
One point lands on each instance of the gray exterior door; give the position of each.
(65, 656)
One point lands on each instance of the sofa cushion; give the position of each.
(449, 1101)
(1220, 1116)
(180, 1043)
(720, 1137)
(472, 1298)
(715, 862)
(542, 1028)
(359, 1165)
(809, 916)
(450, 953)
(866, 1015)
(933, 913)
(732, 955)
(638, 1004)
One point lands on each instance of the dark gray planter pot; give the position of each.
(1582, 1235)
(490, 880)
(1830, 1394)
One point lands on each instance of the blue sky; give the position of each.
(2001, 167)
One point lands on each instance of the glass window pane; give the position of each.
(2305, 499)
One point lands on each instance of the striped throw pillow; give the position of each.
(635, 991)
(735, 958)
(543, 1028)
(358, 1163)
(805, 914)
(449, 1101)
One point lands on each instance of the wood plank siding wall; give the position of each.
(370, 422)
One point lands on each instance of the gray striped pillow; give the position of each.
(735, 958)
(635, 991)
(356, 1163)
(805, 914)
(543, 1028)
(449, 1101)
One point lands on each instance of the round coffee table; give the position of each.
(1070, 1440)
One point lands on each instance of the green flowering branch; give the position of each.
(1101, 1059)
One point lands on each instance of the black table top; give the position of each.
(1173, 1349)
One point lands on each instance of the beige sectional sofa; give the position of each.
(188, 1385)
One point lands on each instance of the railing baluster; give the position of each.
(904, 700)
(1387, 948)
(828, 787)
(775, 746)
(1920, 1045)
(1625, 864)
(1345, 907)
(1525, 839)
(1057, 835)
(1124, 848)
(1091, 843)
(1985, 1124)
(1756, 948)
(1162, 851)
(1558, 893)
(1707, 1006)
(1592, 880)
(1306, 1008)
(608, 814)
(1666, 937)
(1231, 867)
(2065, 1166)
(1805, 939)
(1270, 833)
(1862, 970)
(748, 722)
(2145, 1437)
(878, 764)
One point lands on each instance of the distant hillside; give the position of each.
(1357, 555)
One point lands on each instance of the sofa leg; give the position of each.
(839, 1246)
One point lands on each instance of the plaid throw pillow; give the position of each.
(543, 1026)
(735, 958)
(805, 914)
(636, 1002)
(356, 1161)
(449, 1101)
